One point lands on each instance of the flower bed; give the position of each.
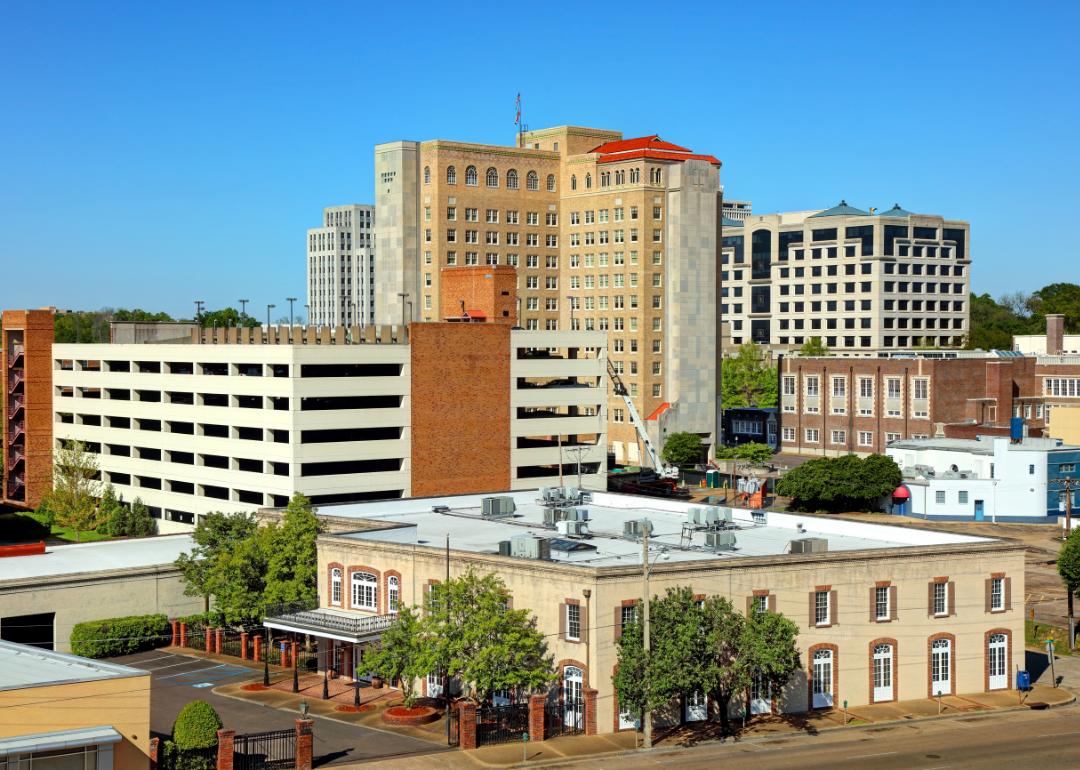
(354, 709)
(255, 687)
(403, 717)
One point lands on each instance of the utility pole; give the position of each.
(647, 727)
(291, 300)
(1068, 483)
(243, 307)
(198, 311)
(560, 458)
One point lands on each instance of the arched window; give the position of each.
(393, 593)
(471, 178)
(335, 586)
(511, 180)
(427, 174)
(573, 182)
(551, 183)
(492, 178)
(654, 176)
(588, 181)
(635, 175)
(532, 181)
(451, 175)
(365, 591)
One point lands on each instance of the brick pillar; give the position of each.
(209, 638)
(303, 743)
(225, 749)
(183, 635)
(467, 725)
(590, 711)
(175, 633)
(244, 646)
(258, 647)
(153, 753)
(292, 656)
(1055, 333)
(219, 647)
(536, 717)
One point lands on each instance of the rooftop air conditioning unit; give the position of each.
(573, 528)
(695, 516)
(637, 526)
(504, 548)
(440, 509)
(720, 541)
(577, 514)
(586, 497)
(553, 516)
(530, 547)
(571, 493)
(724, 515)
(810, 545)
(497, 507)
(545, 493)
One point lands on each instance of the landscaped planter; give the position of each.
(414, 717)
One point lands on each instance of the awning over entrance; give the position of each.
(330, 623)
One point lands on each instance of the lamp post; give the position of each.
(268, 309)
(243, 308)
(198, 311)
(266, 665)
(291, 300)
(307, 314)
(646, 568)
(405, 334)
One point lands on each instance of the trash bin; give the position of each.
(1023, 680)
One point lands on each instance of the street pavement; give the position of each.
(176, 680)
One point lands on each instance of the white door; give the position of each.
(941, 667)
(883, 672)
(434, 685)
(627, 721)
(999, 671)
(760, 696)
(696, 708)
(573, 701)
(823, 679)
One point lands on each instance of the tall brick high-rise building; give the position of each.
(605, 233)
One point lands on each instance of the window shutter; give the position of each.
(509, 601)
(772, 603)
(832, 608)
(813, 601)
(427, 598)
(986, 595)
(1007, 588)
(618, 622)
(892, 603)
(950, 597)
(750, 608)
(930, 599)
(873, 604)
(562, 622)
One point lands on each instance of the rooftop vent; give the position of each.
(810, 545)
(573, 528)
(530, 547)
(497, 507)
(720, 541)
(440, 509)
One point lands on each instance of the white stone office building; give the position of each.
(341, 267)
(866, 283)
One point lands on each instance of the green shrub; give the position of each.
(16, 526)
(120, 636)
(196, 726)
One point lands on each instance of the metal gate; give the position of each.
(274, 750)
(501, 724)
(453, 732)
(564, 718)
(173, 758)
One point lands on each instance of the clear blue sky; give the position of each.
(154, 154)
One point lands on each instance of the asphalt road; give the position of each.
(176, 680)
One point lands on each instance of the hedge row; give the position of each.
(15, 526)
(120, 636)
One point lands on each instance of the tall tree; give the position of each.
(1061, 298)
(216, 535)
(73, 496)
(724, 669)
(749, 378)
(631, 680)
(814, 347)
(400, 653)
(682, 448)
(840, 483)
(1068, 566)
(292, 556)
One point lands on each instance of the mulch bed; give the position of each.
(401, 716)
(255, 687)
(354, 709)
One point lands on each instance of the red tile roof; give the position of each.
(475, 314)
(653, 142)
(656, 156)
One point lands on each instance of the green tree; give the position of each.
(114, 515)
(73, 496)
(140, 522)
(724, 669)
(205, 569)
(752, 452)
(471, 633)
(769, 650)
(631, 680)
(228, 317)
(1061, 298)
(1068, 566)
(814, 348)
(400, 653)
(749, 378)
(678, 645)
(682, 448)
(292, 557)
(840, 484)
(196, 726)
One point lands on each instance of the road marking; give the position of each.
(174, 665)
(863, 756)
(1054, 735)
(151, 660)
(943, 767)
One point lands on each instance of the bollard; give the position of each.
(939, 701)
(845, 713)
(524, 747)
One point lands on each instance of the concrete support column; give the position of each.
(536, 717)
(303, 743)
(225, 749)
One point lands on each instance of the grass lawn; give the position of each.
(68, 535)
(1036, 634)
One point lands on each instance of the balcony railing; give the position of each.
(15, 403)
(14, 380)
(14, 456)
(15, 430)
(14, 353)
(307, 615)
(14, 485)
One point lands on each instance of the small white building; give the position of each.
(988, 478)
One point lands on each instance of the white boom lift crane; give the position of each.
(662, 471)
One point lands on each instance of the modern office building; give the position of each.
(248, 419)
(884, 613)
(606, 234)
(862, 281)
(341, 268)
(737, 210)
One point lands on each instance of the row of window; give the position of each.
(655, 177)
(532, 218)
(618, 214)
(832, 306)
(344, 218)
(1060, 386)
(364, 591)
(893, 385)
(840, 437)
(326, 242)
(865, 287)
(491, 178)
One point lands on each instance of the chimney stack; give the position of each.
(1055, 334)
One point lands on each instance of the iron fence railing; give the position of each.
(566, 718)
(501, 724)
(275, 750)
(305, 615)
(173, 758)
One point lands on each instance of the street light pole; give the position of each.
(1068, 529)
(647, 727)
(291, 300)
(268, 308)
(243, 308)
(405, 333)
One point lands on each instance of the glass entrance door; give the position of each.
(999, 671)
(940, 667)
(760, 696)
(883, 673)
(573, 701)
(823, 679)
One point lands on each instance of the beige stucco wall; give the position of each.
(122, 703)
(544, 586)
(1064, 423)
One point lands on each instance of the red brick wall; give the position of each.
(460, 408)
(491, 289)
(37, 332)
(1055, 333)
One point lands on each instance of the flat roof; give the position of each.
(25, 666)
(97, 556)
(413, 521)
(983, 445)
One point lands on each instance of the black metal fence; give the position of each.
(196, 640)
(566, 718)
(173, 758)
(274, 750)
(230, 644)
(453, 732)
(501, 724)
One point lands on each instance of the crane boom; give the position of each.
(635, 418)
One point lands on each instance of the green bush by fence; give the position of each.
(196, 726)
(120, 636)
(16, 526)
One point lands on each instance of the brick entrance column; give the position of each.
(244, 646)
(467, 725)
(183, 635)
(175, 633)
(536, 717)
(590, 711)
(225, 749)
(258, 647)
(209, 638)
(303, 743)
(219, 646)
(292, 656)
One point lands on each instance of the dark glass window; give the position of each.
(866, 233)
(815, 307)
(799, 307)
(832, 252)
(849, 251)
(830, 306)
(865, 304)
(892, 232)
(815, 271)
(761, 254)
(949, 234)
(760, 300)
(929, 233)
(849, 305)
(828, 234)
(784, 240)
(760, 332)
(800, 253)
(735, 242)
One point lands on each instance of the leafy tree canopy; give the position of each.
(400, 654)
(227, 318)
(292, 558)
(752, 452)
(73, 496)
(682, 448)
(1068, 562)
(814, 346)
(835, 484)
(749, 378)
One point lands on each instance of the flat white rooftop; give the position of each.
(413, 521)
(25, 666)
(98, 556)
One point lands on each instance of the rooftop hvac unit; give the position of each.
(530, 547)
(720, 541)
(695, 516)
(586, 497)
(577, 514)
(637, 527)
(571, 493)
(553, 516)
(504, 548)
(558, 493)
(950, 475)
(545, 493)
(440, 509)
(724, 515)
(497, 507)
(573, 528)
(810, 545)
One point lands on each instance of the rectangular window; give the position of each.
(811, 435)
(811, 386)
(893, 388)
(962, 497)
(789, 434)
(789, 386)
(939, 497)
(573, 621)
(881, 602)
(616, 415)
(866, 438)
(839, 437)
(821, 608)
(997, 594)
(839, 387)
(941, 595)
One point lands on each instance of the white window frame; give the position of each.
(335, 587)
(881, 602)
(573, 620)
(997, 594)
(821, 608)
(941, 599)
(364, 593)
